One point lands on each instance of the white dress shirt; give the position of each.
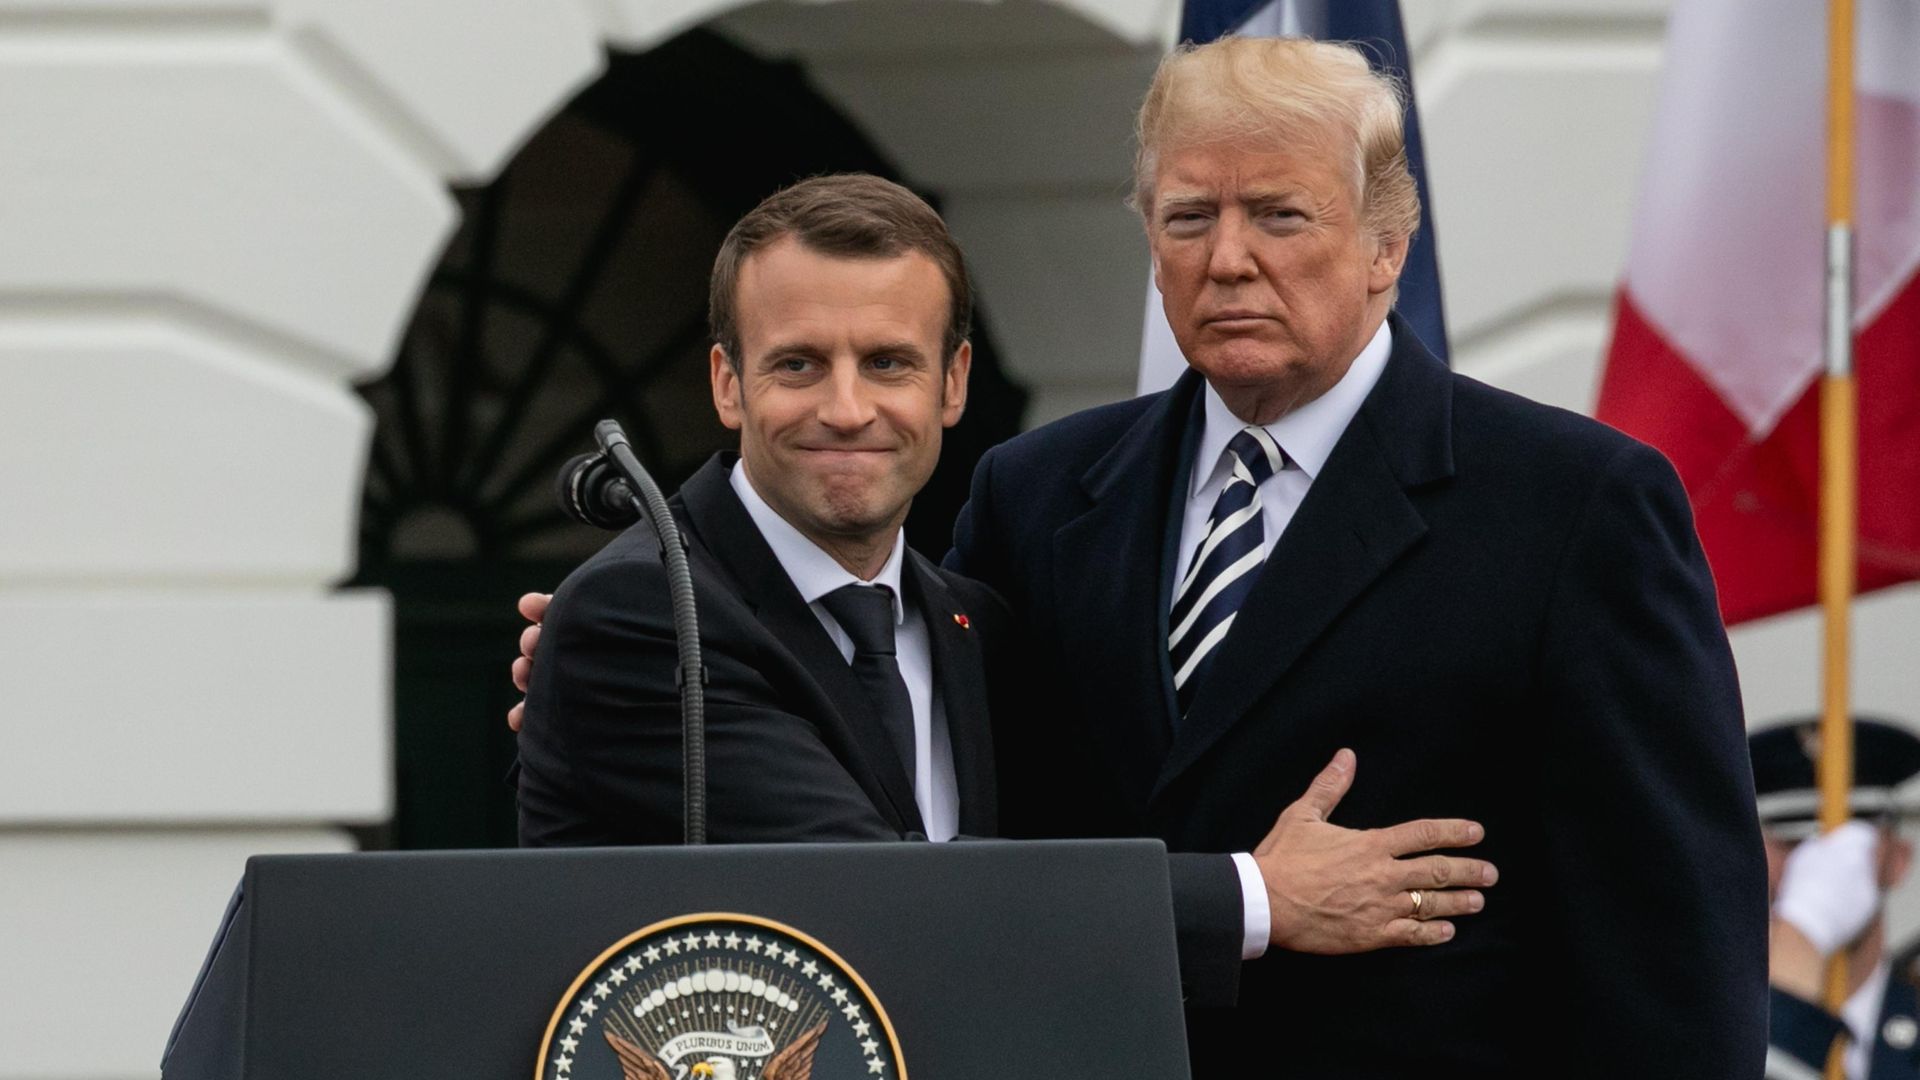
(1307, 436)
(1861, 1013)
(815, 574)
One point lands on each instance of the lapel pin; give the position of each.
(961, 621)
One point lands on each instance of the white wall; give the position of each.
(217, 214)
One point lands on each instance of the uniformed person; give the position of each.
(1827, 893)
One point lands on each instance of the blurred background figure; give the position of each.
(1828, 895)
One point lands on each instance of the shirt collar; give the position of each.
(812, 570)
(1308, 433)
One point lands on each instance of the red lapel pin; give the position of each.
(961, 620)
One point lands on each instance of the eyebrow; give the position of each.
(1272, 194)
(782, 350)
(907, 347)
(1194, 200)
(1185, 200)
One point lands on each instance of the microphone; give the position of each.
(592, 492)
(612, 490)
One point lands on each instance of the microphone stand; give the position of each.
(691, 673)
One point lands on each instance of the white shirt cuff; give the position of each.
(1256, 917)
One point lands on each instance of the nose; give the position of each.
(1231, 256)
(846, 406)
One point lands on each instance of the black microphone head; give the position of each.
(609, 434)
(591, 492)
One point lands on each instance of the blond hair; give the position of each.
(1285, 91)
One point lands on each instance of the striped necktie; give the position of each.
(1225, 563)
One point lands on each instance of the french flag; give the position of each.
(1716, 351)
(1375, 26)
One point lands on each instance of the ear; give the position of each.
(953, 400)
(727, 400)
(1389, 258)
(1896, 860)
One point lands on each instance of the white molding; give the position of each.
(197, 705)
(119, 919)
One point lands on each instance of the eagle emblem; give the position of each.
(719, 997)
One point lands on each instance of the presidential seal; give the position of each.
(719, 997)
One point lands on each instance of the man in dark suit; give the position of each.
(796, 749)
(1321, 538)
(847, 695)
(839, 311)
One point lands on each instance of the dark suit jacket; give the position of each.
(1504, 610)
(1802, 1032)
(794, 749)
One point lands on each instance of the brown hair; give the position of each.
(852, 215)
(1285, 91)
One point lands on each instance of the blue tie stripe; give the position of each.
(1217, 601)
(1255, 458)
(1225, 563)
(1270, 454)
(1200, 608)
(1236, 506)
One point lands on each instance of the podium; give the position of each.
(958, 961)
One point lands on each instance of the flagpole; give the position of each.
(1839, 451)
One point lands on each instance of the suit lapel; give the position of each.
(1899, 1011)
(1108, 572)
(960, 675)
(732, 539)
(1354, 523)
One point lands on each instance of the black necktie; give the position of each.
(865, 612)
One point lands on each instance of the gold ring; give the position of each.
(1417, 901)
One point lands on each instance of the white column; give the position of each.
(217, 218)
